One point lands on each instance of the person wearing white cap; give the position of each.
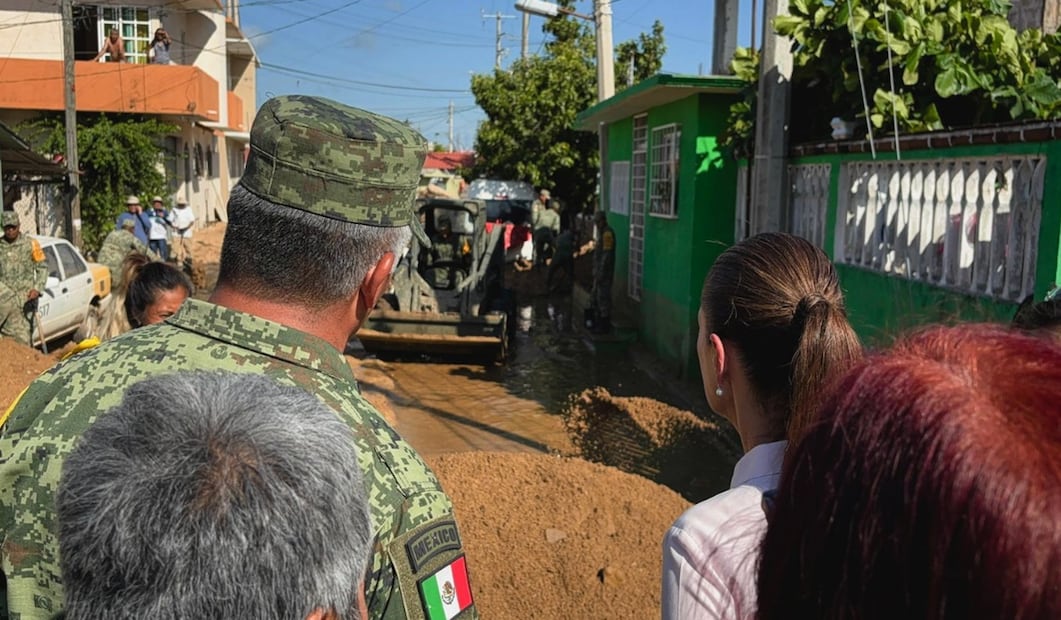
(160, 225)
(135, 214)
(183, 221)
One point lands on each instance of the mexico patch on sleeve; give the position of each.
(432, 572)
(446, 593)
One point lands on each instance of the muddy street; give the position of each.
(444, 406)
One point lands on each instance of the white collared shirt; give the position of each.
(710, 553)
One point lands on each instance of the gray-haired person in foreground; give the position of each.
(214, 495)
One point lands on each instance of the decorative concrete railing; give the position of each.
(967, 223)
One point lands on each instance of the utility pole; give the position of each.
(602, 19)
(451, 126)
(525, 41)
(73, 215)
(602, 13)
(769, 192)
(725, 35)
(499, 51)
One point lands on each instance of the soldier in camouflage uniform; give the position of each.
(117, 245)
(323, 209)
(603, 272)
(23, 272)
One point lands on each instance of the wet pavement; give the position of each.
(449, 406)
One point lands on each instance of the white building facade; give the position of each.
(208, 90)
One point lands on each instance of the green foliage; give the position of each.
(738, 139)
(117, 157)
(529, 133)
(646, 55)
(954, 63)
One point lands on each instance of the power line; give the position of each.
(363, 83)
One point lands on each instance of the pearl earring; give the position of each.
(718, 391)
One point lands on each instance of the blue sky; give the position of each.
(411, 58)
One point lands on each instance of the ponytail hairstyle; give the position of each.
(777, 298)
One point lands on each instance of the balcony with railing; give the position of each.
(126, 88)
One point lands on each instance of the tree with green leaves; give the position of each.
(118, 157)
(529, 132)
(925, 64)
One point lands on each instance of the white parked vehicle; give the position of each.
(72, 292)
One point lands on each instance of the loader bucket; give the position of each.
(392, 333)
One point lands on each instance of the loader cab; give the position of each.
(455, 228)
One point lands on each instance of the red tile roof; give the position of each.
(450, 161)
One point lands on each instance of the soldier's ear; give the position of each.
(372, 287)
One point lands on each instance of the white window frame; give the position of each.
(136, 33)
(665, 160)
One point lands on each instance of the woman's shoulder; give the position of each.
(735, 509)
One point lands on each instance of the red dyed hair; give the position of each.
(929, 487)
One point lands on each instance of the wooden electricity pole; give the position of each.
(73, 214)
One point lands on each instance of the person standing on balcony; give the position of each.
(158, 48)
(114, 47)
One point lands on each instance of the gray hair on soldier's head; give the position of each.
(213, 495)
(289, 255)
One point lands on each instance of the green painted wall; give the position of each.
(882, 306)
(620, 148)
(678, 251)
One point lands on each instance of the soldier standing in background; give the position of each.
(117, 245)
(603, 272)
(23, 272)
(322, 179)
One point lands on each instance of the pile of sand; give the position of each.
(652, 439)
(554, 537)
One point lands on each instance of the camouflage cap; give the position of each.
(334, 160)
(10, 218)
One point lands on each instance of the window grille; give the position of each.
(664, 187)
(134, 26)
(810, 200)
(638, 188)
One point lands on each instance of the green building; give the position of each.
(926, 228)
(669, 194)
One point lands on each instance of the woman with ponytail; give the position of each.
(773, 332)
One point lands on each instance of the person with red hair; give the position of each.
(928, 487)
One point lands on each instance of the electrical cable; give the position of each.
(891, 87)
(861, 82)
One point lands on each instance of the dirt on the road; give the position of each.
(651, 439)
(555, 537)
(546, 536)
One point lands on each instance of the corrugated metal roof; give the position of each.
(17, 156)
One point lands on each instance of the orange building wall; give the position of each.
(110, 87)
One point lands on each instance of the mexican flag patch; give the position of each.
(446, 593)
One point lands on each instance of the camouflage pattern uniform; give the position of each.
(603, 269)
(22, 269)
(116, 246)
(413, 518)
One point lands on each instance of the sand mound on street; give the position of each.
(554, 537)
(651, 439)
